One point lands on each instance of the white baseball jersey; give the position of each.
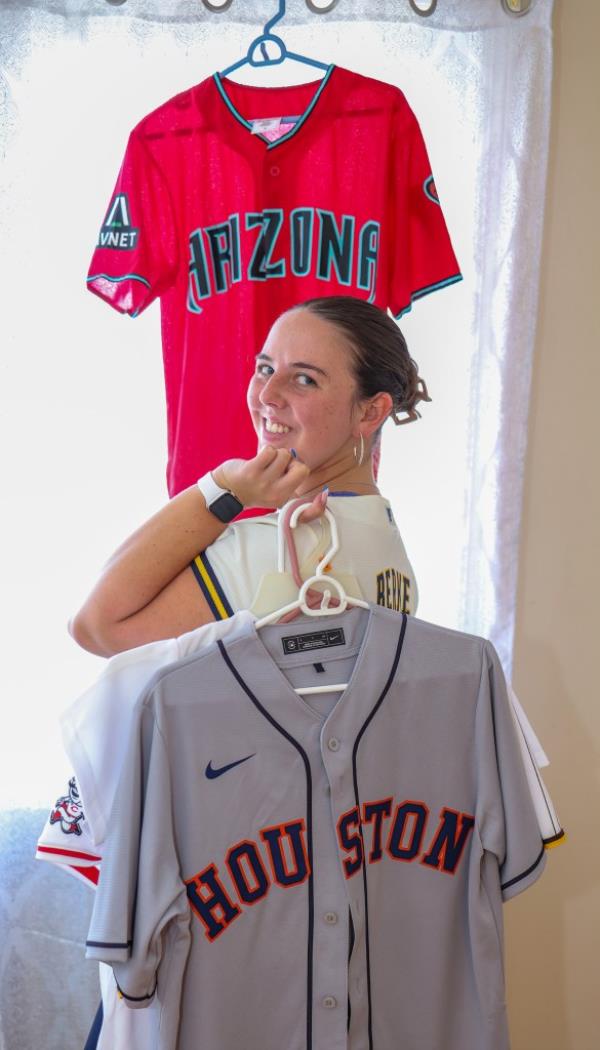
(372, 562)
(95, 729)
(95, 732)
(302, 872)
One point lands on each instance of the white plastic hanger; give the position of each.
(281, 585)
(324, 609)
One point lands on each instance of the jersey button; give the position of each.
(274, 171)
(329, 1002)
(330, 918)
(333, 744)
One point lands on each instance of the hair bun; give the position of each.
(411, 398)
(381, 361)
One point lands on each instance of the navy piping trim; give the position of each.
(309, 832)
(350, 950)
(524, 874)
(123, 277)
(426, 291)
(374, 710)
(210, 572)
(136, 998)
(91, 1042)
(108, 944)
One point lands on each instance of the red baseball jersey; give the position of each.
(230, 216)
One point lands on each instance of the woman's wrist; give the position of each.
(234, 476)
(268, 480)
(220, 479)
(219, 499)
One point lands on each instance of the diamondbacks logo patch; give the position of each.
(117, 230)
(68, 810)
(430, 190)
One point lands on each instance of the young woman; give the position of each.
(331, 372)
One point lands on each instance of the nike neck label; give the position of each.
(212, 773)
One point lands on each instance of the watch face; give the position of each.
(226, 507)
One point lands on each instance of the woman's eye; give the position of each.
(264, 370)
(305, 380)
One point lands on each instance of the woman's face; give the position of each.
(302, 394)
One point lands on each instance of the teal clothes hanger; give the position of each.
(259, 43)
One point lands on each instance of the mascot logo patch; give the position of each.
(430, 190)
(68, 810)
(117, 231)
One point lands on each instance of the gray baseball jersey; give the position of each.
(323, 872)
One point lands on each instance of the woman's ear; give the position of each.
(376, 411)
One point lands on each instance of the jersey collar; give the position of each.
(221, 84)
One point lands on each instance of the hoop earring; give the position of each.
(359, 456)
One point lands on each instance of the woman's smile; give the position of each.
(272, 428)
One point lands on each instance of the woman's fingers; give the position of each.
(287, 474)
(316, 508)
(268, 480)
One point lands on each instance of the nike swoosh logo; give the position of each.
(212, 773)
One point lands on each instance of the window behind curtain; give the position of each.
(83, 419)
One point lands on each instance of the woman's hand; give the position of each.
(268, 480)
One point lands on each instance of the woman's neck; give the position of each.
(340, 477)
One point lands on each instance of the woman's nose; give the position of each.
(272, 391)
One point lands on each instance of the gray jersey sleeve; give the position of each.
(506, 817)
(140, 892)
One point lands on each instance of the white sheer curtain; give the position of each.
(83, 416)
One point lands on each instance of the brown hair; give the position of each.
(381, 361)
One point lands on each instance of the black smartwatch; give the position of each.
(220, 502)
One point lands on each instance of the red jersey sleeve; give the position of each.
(135, 256)
(423, 258)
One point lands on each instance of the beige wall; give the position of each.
(553, 931)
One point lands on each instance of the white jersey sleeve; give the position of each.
(540, 756)
(95, 730)
(548, 822)
(372, 562)
(122, 1028)
(66, 839)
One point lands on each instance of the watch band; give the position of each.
(221, 502)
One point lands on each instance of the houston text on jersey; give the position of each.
(286, 856)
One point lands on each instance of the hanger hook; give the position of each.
(325, 608)
(276, 18)
(334, 544)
